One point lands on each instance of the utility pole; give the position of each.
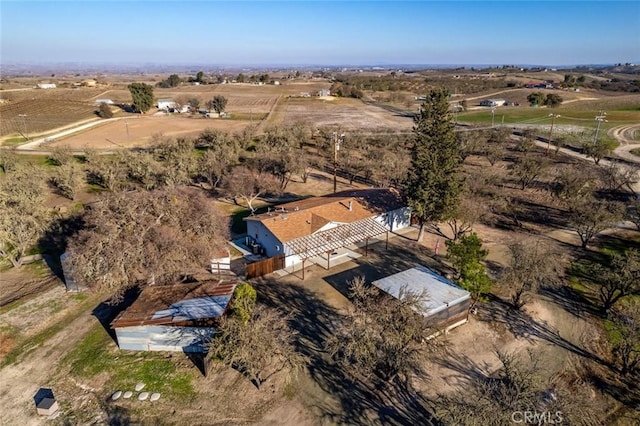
(493, 113)
(336, 147)
(24, 125)
(599, 118)
(553, 118)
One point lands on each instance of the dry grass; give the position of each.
(141, 129)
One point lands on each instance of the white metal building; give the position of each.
(446, 305)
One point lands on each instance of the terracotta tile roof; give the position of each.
(177, 304)
(304, 217)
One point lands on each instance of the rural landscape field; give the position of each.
(320, 213)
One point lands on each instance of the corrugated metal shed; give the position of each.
(179, 317)
(177, 304)
(442, 294)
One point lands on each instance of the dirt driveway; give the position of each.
(548, 325)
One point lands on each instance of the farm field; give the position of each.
(136, 131)
(347, 114)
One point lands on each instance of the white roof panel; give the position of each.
(441, 293)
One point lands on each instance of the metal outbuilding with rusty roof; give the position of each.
(179, 317)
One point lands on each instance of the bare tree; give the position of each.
(572, 183)
(276, 154)
(248, 184)
(382, 337)
(620, 279)
(8, 160)
(527, 142)
(67, 179)
(471, 210)
(633, 212)
(216, 162)
(616, 178)
(258, 348)
(588, 217)
(626, 347)
(108, 173)
(533, 264)
(23, 216)
(527, 170)
(518, 387)
(60, 155)
(146, 237)
(143, 170)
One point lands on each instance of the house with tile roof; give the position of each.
(302, 229)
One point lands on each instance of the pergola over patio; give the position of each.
(335, 238)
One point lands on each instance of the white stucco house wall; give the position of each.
(304, 228)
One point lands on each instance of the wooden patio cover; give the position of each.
(335, 238)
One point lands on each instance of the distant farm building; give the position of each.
(46, 86)
(492, 102)
(180, 317)
(445, 306)
(324, 92)
(89, 82)
(166, 104)
(316, 228)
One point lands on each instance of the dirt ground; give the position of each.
(343, 113)
(137, 131)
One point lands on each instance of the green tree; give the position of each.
(598, 150)
(243, 302)
(466, 250)
(536, 98)
(142, 96)
(553, 100)
(104, 111)
(199, 76)
(174, 80)
(433, 182)
(218, 104)
(466, 255)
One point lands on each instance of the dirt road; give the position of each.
(625, 135)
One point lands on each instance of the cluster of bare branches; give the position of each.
(382, 337)
(518, 388)
(146, 237)
(23, 216)
(258, 348)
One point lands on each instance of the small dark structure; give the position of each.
(46, 403)
(178, 317)
(446, 305)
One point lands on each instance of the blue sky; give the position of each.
(320, 33)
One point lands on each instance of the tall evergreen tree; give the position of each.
(142, 96)
(433, 183)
